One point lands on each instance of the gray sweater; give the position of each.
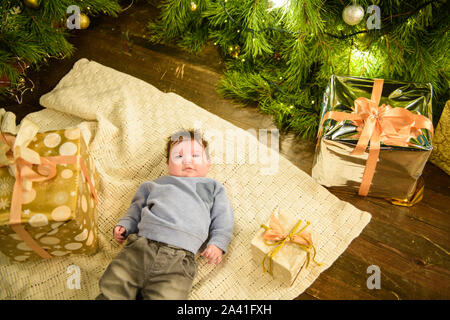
(181, 211)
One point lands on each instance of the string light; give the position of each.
(278, 3)
(360, 54)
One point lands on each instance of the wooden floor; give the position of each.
(409, 245)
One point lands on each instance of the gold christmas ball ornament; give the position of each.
(234, 51)
(32, 3)
(193, 6)
(353, 14)
(84, 21)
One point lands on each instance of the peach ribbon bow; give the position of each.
(392, 126)
(14, 152)
(275, 233)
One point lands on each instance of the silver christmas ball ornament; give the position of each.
(353, 14)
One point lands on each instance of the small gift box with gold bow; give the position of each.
(283, 246)
(374, 137)
(47, 194)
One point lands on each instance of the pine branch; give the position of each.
(29, 35)
(288, 54)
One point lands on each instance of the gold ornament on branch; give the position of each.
(84, 21)
(234, 51)
(32, 3)
(193, 6)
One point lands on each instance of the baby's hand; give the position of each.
(213, 254)
(119, 234)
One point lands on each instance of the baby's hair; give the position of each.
(185, 134)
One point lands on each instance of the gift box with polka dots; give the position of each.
(60, 213)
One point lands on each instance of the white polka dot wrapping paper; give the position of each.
(59, 214)
(126, 122)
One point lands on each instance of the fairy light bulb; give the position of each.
(360, 54)
(278, 3)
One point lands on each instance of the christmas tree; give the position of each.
(281, 53)
(32, 31)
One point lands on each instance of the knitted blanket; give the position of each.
(126, 122)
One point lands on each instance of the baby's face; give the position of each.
(188, 159)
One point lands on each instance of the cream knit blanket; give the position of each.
(126, 121)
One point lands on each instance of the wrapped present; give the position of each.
(374, 137)
(283, 247)
(441, 141)
(47, 194)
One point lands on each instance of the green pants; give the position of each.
(149, 270)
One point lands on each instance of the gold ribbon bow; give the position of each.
(14, 152)
(275, 233)
(392, 126)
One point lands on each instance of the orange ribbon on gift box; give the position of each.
(16, 154)
(392, 126)
(278, 237)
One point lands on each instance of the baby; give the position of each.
(167, 222)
